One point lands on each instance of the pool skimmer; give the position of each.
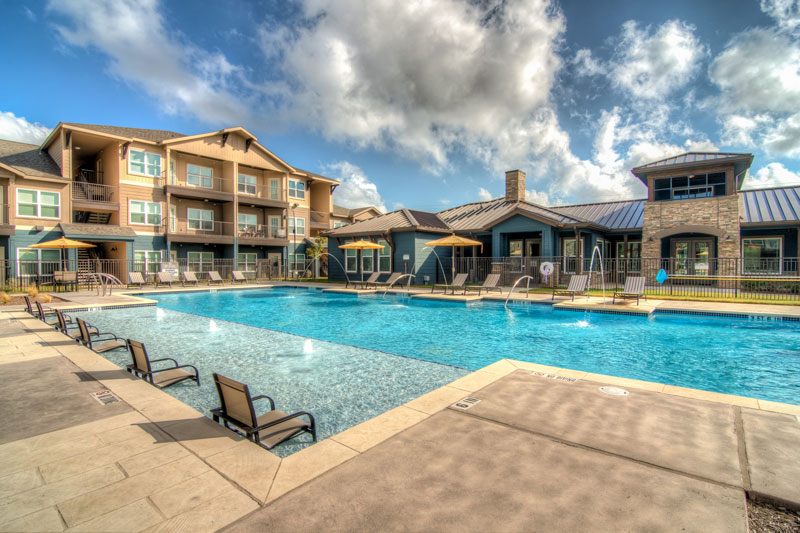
(613, 391)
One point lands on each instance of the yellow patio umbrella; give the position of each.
(453, 241)
(62, 243)
(361, 245)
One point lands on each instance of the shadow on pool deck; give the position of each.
(540, 454)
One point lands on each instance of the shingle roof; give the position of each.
(137, 133)
(770, 206)
(340, 211)
(396, 220)
(612, 215)
(480, 215)
(28, 159)
(100, 230)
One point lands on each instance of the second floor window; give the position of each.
(199, 176)
(38, 204)
(687, 187)
(247, 184)
(297, 226)
(247, 222)
(297, 189)
(145, 212)
(144, 163)
(200, 219)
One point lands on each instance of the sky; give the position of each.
(425, 104)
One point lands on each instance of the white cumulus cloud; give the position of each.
(356, 189)
(14, 128)
(772, 175)
(484, 195)
(785, 12)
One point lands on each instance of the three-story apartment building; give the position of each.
(146, 196)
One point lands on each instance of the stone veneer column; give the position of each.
(515, 185)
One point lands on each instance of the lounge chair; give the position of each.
(634, 288)
(214, 277)
(577, 285)
(189, 277)
(165, 278)
(107, 341)
(238, 276)
(160, 377)
(43, 314)
(135, 279)
(489, 284)
(267, 430)
(37, 312)
(389, 281)
(373, 278)
(64, 327)
(458, 283)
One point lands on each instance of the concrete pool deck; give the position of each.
(540, 446)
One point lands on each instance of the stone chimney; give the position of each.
(515, 185)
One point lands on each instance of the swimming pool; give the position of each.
(753, 358)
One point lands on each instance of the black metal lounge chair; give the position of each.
(489, 284)
(267, 430)
(373, 278)
(577, 285)
(135, 279)
(43, 314)
(107, 341)
(214, 277)
(37, 313)
(458, 283)
(160, 377)
(634, 288)
(238, 277)
(189, 277)
(164, 278)
(389, 281)
(63, 325)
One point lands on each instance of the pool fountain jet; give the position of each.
(212, 326)
(160, 314)
(344, 270)
(308, 347)
(591, 271)
(444, 276)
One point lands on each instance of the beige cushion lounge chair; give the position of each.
(458, 283)
(577, 285)
(161, 377)
(238, 276)
(634, 288)
(389, 281)
(489, 284)
(101, 342)
(188, 277)
(165, 278)
(373, 278)
(214, 277)
(135, 279)
(269, 429)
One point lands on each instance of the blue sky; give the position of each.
(425, 104)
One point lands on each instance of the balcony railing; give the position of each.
(89, 176)
(202, 183)
(93, 192)
(183, 226)
(261, 231)
(267, 192)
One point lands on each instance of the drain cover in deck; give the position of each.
(613, 391)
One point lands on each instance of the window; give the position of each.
(38, 204)
(144, 163)
(247, 184)
(199, 261)
(350, 260)
(367, 258)
(384, 257)
(297, 189)
(172, 172)
(339, 224)
(274, 226)
(38, 262)
(200, 219)
(297, 262)
(570, 262)
(274, 190)
(247, 223)
(762, 255)
(173, 219)
(630, 260)
(199, 176)
(687, 187)
(145, 212)
(247, 262)
(297, 226)
(147, 261)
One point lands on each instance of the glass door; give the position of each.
(692, 257)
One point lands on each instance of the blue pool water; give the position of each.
(371, 353)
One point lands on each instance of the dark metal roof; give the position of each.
(741, 162)
(628, 215)
(423, 219)
(479, 216)
(396, 220)
(28, 159)
(133, 133)
(770, 206)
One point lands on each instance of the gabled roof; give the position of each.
(128, 133)
(340, 211)
(688, 160)
(627, 215)
(404, 219)
(28, 159)
(314, 175)
(770, 206)
(479, 216)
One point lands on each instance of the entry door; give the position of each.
(274, 264)
(692, 256)
(533, 247)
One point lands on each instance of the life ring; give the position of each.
(546, 268)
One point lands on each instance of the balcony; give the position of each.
(201, 231)
(320, 220)
(262, 195)
(6, 228)
(202, 188)
(94, 196)
(261, 235)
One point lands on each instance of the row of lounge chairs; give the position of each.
(634, 288)
(237, 406)
(491, 283)
(136, 279)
